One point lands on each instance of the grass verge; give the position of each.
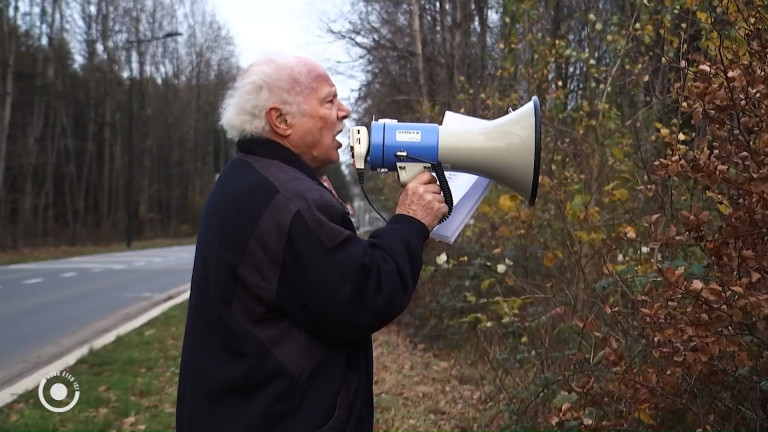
(130, 385)
(17, 256)
(127, 385)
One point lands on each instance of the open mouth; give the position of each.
(340, 136)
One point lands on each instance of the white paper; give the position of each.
(467, 190)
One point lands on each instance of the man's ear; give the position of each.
(278, 121)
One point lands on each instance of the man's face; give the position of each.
(320, 119)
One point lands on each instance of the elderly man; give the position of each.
(285, 296)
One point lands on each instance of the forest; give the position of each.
(108, 105)
(633, 295)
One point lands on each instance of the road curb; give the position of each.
(32, 380)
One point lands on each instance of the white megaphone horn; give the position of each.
(506, 150)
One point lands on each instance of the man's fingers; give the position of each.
(431, 188)
(423, 199)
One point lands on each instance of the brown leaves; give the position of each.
(673, 169)
(417, 390)
(131, 423)
(708, 324)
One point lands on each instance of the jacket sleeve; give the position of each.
(342, 288)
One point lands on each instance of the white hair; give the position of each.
(273, 79)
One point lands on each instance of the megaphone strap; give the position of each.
(361, 180)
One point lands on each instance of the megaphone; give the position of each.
(506, 150)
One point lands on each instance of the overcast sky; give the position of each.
(288, 26)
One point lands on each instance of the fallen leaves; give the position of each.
(415, 389)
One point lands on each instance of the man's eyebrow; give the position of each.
(331, 92)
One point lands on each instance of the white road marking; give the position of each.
(100, 263)
(63, 265)
(32, 281)
(115, 258)
(144, 294)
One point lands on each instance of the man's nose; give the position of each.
(344, 112)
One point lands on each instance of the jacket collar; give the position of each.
(269, 149)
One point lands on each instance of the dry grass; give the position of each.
(418, 389)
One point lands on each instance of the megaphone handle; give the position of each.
(406, 171)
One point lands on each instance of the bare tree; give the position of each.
(63, 165)
(9, 15)
(419, 54)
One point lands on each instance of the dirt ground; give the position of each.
(417, 389)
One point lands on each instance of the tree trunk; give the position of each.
(44, 73)
(416, 31)
(481, 11)
(8, 31)
(449, 86)
(83, 174)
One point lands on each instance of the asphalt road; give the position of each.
(49, 308)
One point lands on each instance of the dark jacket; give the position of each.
(284, 300)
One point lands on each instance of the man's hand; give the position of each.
(422, 199)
